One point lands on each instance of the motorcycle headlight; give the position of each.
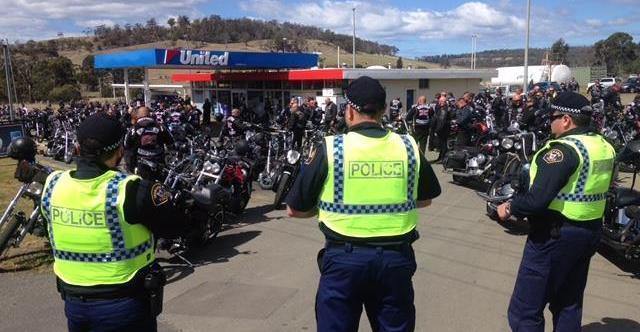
(507, 143)
(480, 158)
(612, 134)
(495, 142)
(517, 145)
(215, 168)
(293, 156)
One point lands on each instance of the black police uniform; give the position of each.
(420, 115)
(358, 282)
(552, 237)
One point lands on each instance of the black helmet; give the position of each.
(23, 148)
(242, 148)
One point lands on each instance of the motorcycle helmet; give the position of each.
(242, 148)
(23, 148)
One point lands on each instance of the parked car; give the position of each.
(632, 85)
(546, 85)
(606, 82)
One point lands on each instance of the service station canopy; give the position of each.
(199, 59)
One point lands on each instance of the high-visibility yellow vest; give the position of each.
(371, 185)
(92, 242)
(585, 194)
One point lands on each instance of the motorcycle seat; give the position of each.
(626, 197)
(207, 197)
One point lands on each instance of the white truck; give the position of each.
(606, 82)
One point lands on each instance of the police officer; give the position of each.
(420, 115)
(565, 204)
(101, 227)
(372, 230)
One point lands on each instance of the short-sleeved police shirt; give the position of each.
(305, 192)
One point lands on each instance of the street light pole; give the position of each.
(9, 79)
(353, 65)
(525, 85)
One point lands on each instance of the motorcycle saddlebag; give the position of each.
(455, 160)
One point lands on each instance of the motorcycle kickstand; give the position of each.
(185, 260)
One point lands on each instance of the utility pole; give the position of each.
(9, 78)
(525, 86)
(354, 38)
(338, 57)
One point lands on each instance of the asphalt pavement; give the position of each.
(261, 275)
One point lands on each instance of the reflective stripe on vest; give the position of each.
(338, 205)
(584, 196)
(120, 252)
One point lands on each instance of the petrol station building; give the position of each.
(249, 78)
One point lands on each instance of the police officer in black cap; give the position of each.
(569, 181)
(366, 186)
(101, 228)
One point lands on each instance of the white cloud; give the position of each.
(41, 19)
(380, 21)
(619, 21)
(594, 23)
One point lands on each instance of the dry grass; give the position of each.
(34, 252)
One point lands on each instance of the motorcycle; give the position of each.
(279, 142)
(474, 162)
(511, 170)
(286, 175)
(14, 226)
(621, 224)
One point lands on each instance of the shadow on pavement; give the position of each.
(223, 248)
(619, 261)
(515, 227)
(609, 324)
(220, 250)
(253, 215)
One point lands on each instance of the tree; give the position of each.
(615, 52)
(66, 93)
(559, 51)
(171, 22)
(399, 63)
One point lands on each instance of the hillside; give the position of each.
(329, 56)
(577, 56)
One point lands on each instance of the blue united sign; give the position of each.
(202, 59)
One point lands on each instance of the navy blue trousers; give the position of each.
(379, 279)
(554, 272)
(128, 314)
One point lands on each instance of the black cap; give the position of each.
(571, 103)
(365, 94)
(102, 128)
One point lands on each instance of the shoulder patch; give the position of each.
(553, 156)
(159, 195)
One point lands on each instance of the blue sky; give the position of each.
(417, 28)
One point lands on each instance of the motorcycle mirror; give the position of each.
(630, 152)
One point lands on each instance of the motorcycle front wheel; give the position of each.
(281, 192)
(6, 233)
